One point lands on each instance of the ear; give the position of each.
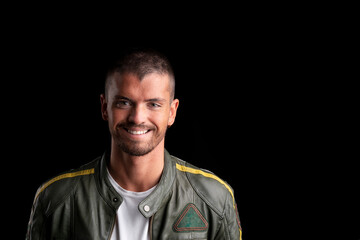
(103, 102)
(173, 109)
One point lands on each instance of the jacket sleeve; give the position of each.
(231, 227)
(37, 220)
(233, 221)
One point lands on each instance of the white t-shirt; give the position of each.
(130, 223)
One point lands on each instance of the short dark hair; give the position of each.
(142, 62)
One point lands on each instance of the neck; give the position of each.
(137, 173)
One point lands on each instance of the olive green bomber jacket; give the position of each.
(187, 203)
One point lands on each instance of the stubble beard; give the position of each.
(136, 148)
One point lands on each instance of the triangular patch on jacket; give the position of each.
(190, 219)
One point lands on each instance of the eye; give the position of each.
(154, 105)
(122, 104)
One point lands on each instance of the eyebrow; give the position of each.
(119, 97)
(155, 100)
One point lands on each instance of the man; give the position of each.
(137, 190)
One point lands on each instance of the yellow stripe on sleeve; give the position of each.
(66, 175)
(205, 174)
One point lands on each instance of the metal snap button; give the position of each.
(146, 208)
(115, 199)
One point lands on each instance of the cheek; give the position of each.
(160, 120)
(116, 117)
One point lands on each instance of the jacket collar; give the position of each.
(150, 205)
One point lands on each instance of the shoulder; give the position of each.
(213, 190)
(57, 189)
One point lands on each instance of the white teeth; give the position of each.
(137, 132)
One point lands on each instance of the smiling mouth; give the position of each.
(137, 132)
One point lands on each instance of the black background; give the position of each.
(264, 104)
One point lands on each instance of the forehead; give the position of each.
(152, 85)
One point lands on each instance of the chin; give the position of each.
(134, 150)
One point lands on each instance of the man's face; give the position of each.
(138, 112)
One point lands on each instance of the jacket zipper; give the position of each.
(112, 229)
(151, 223)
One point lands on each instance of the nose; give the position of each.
(137, 115)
